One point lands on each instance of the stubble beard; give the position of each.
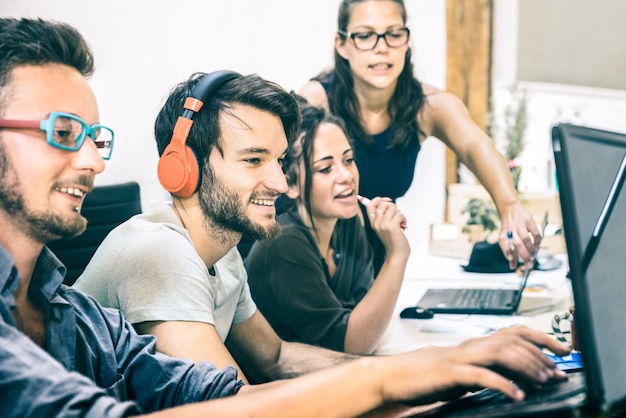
(42, 226)
(224, 211)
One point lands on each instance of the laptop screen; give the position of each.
(587, 162)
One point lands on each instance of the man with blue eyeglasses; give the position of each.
(64, 355)
(68, 132)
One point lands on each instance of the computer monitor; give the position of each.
(588, 163)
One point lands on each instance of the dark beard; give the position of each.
(222, 208)
(43, 226)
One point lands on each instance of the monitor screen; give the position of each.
(588, 161)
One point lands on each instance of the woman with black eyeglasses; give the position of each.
(389, 113)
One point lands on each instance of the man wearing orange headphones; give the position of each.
(176, 273)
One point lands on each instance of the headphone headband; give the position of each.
(204, 88)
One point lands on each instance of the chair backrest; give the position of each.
(105, 208)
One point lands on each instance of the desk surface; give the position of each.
(547, 292)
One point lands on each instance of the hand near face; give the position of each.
(389, 224)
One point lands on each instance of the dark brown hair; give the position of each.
(408, 97)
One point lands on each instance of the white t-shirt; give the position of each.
(149, 269)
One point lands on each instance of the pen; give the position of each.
(509, 236)
(365, 201)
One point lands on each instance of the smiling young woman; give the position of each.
(315, 283)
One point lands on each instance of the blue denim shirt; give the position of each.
(94, 364)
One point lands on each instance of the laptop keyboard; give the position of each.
(443, 299)
(485, 297)
(489, 402)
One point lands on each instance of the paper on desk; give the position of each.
(470, 325)
(541, 295)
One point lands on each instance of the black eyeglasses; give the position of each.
(366, 41)
(68, 132)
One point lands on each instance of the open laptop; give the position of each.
(591, 167)
(487, 301)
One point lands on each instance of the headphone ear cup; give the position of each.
(178, 170)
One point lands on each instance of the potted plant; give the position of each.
(515, 120)
(482, 218)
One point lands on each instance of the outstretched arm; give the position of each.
(450, 121)
(423, 376)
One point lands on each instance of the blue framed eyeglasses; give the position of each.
(68, 132)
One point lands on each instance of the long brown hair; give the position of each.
(407, 99)
(301, 150)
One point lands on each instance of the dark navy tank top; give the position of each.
(383, 171)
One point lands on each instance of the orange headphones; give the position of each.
(178, 168)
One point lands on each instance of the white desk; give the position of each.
(547, 292)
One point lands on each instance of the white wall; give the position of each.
(144, 47)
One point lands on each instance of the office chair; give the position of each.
(105, 208)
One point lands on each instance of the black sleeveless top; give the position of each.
(383, 171)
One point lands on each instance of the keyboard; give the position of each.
(484, 297)
(554, 396)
